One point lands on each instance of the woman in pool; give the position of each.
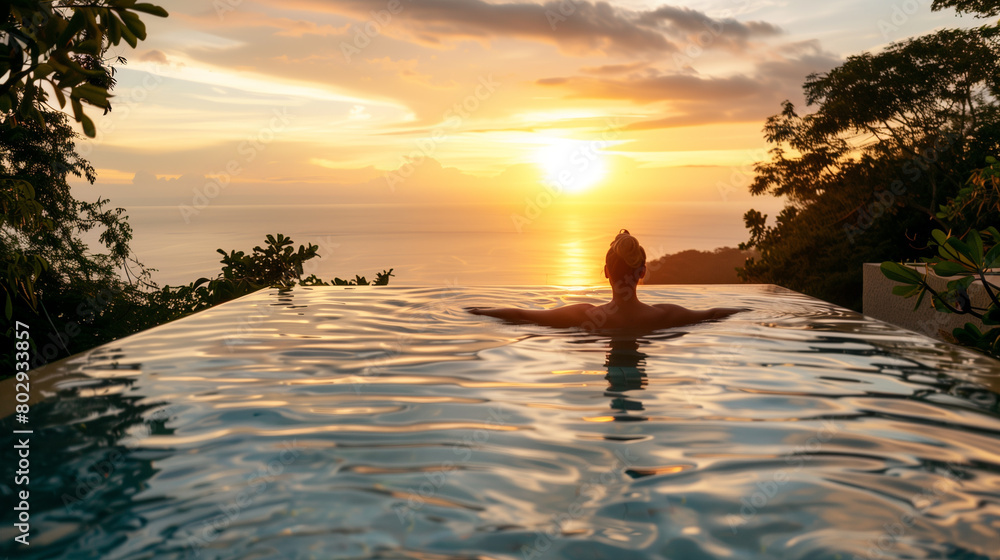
(625, 265)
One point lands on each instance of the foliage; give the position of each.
(970, 259)
(58, 47)
(61, 44)
(980, 198)
(70, 294)
(969, 256)
(48, 266)
(864, 175)
(276, 265)
(982, 8)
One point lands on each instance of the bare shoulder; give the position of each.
(669, 307)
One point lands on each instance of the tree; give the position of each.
(62, 44)
(47, 260)
(72, 296)
(276, 265)
(981, 8)
(864, 174)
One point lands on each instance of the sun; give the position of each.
(571, 166)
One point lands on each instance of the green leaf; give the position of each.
(939, 305)
(60, 96)
(114, 30)
(77, 107)
(75, 25)
(128, 35)
(134, 24)
(992, 316)
(88, 126)
(975, 246)
(962, 283)
(949, 268)
(962, 248)
(990, 260)
(150, 9)
(905, 291)
(43, 70)
(94, 95)
(900, 273)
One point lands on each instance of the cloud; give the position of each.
(286, 27)
(614, 68)
(672, 87)
(690, 99)
(698, 28)
(154, 56)
(574, 27)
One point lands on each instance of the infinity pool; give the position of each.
(389, 423)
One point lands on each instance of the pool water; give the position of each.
(389, 423)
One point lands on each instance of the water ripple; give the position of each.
(389, 423)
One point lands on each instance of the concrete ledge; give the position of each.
(880, 303)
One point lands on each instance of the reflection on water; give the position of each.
(626, 373)
(387, 423)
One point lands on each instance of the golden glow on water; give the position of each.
(600, 419)
(576, 265)
(579, 260)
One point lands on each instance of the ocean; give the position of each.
(432, 245)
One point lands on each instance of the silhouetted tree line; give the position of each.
(718, 266)
(894, 137)
(67, 295)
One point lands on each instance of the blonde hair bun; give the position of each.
(628, 249)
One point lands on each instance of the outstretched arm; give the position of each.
(682, 316)
(568, 316)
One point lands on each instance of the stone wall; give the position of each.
(880, 303)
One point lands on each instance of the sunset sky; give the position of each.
(467, 100)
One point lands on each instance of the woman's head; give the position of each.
(625, 262)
